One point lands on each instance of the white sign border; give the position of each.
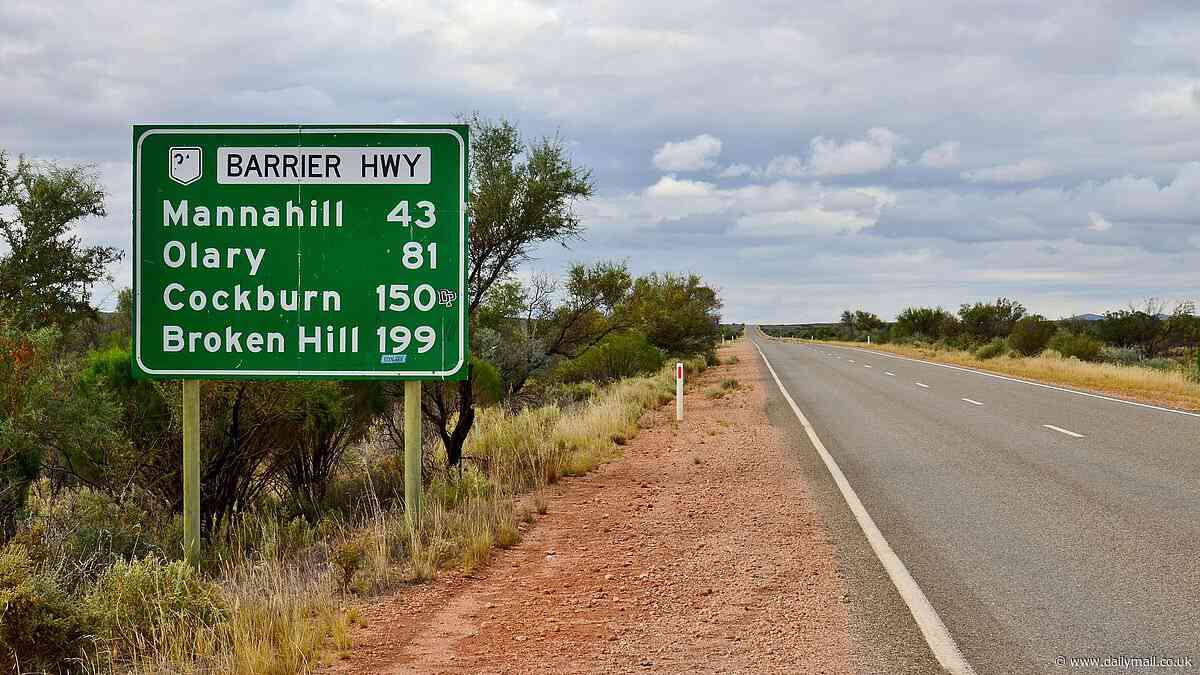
(462, 252)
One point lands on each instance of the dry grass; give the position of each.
(281, 619)
(284, 585)
(1147, 385)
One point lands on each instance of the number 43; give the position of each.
(400, 215)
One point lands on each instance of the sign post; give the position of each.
(191, 471)
(266, 252)
(412, 452)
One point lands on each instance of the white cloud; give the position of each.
(1098, 223)
(670, 186)
(941, 156)
(812, 220)
(1024, 171)
(694, 154)
(1176, 101)
(785, 166)
(738, 170)
(874, 153)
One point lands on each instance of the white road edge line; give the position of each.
(921, 385)
(972, 401)
(1029, 382)
(851, 360)
(889, 373)
(940, 642)
(866, 365)
(1063, 431)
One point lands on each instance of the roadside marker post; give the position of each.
(679, 392)
(299, 252)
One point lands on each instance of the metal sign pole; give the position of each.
(191, 471)
(412, 451)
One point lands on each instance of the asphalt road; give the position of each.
(1038, 523)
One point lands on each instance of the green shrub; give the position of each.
(1159, 363)
(714, 392)
(1031, 334)
(1076, 345)
(486, 382)
(1121, 356)
(348, 557)
(567, 393)
(40, 628)
(141, 601)
(729, 383)
(618, 356)
(991, 350)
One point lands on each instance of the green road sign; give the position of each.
(290, 251)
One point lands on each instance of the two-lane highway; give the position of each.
(1038, 523)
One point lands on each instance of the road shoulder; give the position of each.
(698, 550)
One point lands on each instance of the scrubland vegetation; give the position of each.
(1143, 353)
(301, 482)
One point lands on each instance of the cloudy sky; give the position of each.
(803, 157)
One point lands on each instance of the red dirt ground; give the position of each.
(697, 551)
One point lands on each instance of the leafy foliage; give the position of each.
(521, 195)
(40, 627)
(618, 356)
(45, 419)
(1077, 345)
(925, 322)
(987, 320)
(47, 274)
(1031, 334)
(992, 349)
(677, 313)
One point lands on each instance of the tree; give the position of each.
(520, 196)
(859, 322)
(335, 415)
(1131, 329)
(926, 322)
(677, 313)
(44, 418)
(522, 331)
(985, 321)
(1031, 334)
(47, 274)
(254, 437)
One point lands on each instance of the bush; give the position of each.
(991, 350)
(40, 628)
(564, 394)
(1031, 334)
(618, 356)
(985, 321)
(1076, 345)
(348, 557)
(925, 322)
(1121, 356)
(142, 601)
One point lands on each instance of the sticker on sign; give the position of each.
(290, 251)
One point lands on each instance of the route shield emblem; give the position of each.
(185, 165)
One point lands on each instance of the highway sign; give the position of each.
(293, 251)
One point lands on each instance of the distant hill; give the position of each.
(1087, 317)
